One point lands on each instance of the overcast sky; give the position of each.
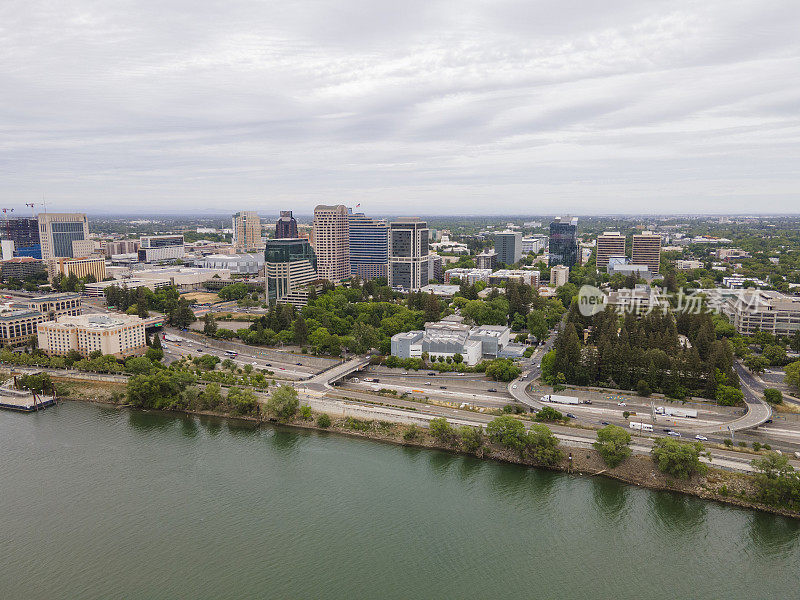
(411, 106)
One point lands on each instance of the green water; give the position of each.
(101, 503)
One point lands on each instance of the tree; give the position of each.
(182, 315)
(643, 388)
(442, 431)
(773, 396)
(775, 354)
(542, 446)
(324, 420)
(235, 291)
(756, 363)
(548, 366)
(613, 444)
(471, 438)
(678, 459)
(457, 358)
(502, 369)
(283, 402)
(728, 395)
(138, 365)
(72, 357)
(508, 432)
(792, 374)
(537, 324)
(300, 330)
(209, 324)
(242, 402)
(154, 354)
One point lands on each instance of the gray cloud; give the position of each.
(419, 106)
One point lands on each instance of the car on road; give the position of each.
(427, 383)
(299, 364)
(674, 433)
(442, 387)
(513, 387)
(571, 416)
(621, 404)
(432, 373)
(267, 364)
(702, 438)
(492, 389)
(666, 430)
(604, 422)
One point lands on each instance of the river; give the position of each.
(99, 503)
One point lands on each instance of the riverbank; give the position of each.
(727, 487)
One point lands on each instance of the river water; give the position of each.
(99, 503)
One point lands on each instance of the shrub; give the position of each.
(767, 447)
(442, 431)
(411, 433)
(756, 446)
(548, 413)
(357, 424)
(728, 442)
(643, 388)
(471, 438)
(305, 413)
(324, 420)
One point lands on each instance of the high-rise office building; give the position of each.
(64, 235)
(408, 254)
(286, 226)
(332, 242)
(290, 265)
(508, 246)
(25, 235)
(646, 250)
(246, 231)
(611, 243)
(563, 242)
(369, 246)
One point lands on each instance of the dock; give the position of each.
(23, 400)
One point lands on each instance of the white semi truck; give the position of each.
(676, 412)
(560, 399)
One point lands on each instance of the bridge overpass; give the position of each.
(322, 381)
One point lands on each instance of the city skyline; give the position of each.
(597, 109)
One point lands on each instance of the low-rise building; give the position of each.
(79, 267)
(738, 282)
(54, 305)
(18, 325)
(729, 253)
(449, 337)
(21, 267)
(470, 276)
(237, 264)
(526, 276)
(640, 299)
(752, 311)
(155, 248)
(444, 291)
(688, 265)
(119, 335)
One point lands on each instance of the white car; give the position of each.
(621, 404)
(513, 387)
(674, 433)
(702, 438)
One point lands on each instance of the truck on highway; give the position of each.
(640, 426)
(171, 338)
(676, 412)
(560, 399)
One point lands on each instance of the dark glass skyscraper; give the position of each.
(369, 246)
(563, 242)
(286, 227)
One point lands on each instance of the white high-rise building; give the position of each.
(332, 242)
